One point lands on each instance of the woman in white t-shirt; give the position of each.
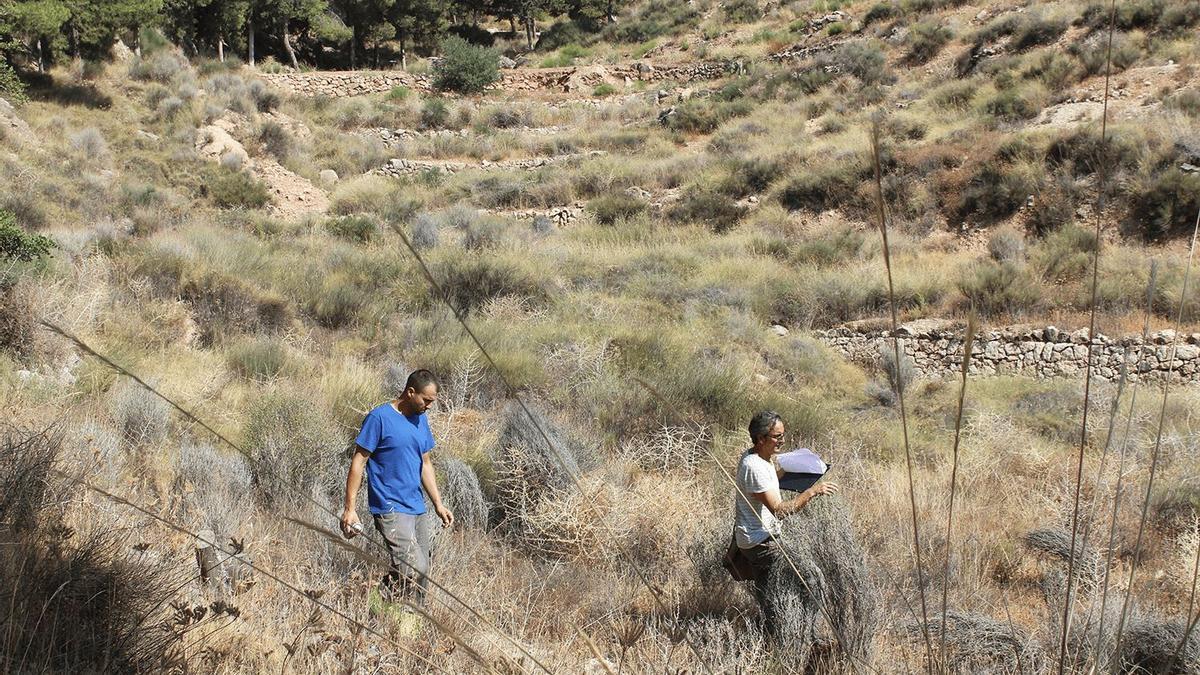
(759, 505)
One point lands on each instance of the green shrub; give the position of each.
(604, 89)
(1180, 16)
(925, 40)
(955, 94)
(275, 140)
(336, 303)
(1053, 69)
(236, 190)
(831, 248)
(360, 229)
(1083, 153)
(471, 283)
(995, 288)
(1012, 105)
(261, 359)
(864, 60)
(1093, 53)
(1139, 14)
(656, 18)
(495, 192)
(751, 176)
(295, 447)
(1054, 205)
(1065, 254)
(715, 210)
(561, 34)
(1007, 245)
(742, 11)
(813, 79)
(465, 68)
(823, 188)
(434, 113)
(997, 191)
(610, 208)
(1163, 203)
(12, 88)
(16, 244)
(398, 93)
(880, 11)
(1036, 30)
(703, 116)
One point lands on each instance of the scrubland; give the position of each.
(639, 335)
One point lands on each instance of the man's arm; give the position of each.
(354, 478)
(429, 482)
(774, 501)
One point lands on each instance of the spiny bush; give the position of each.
(483, 232)
(142, 416)
(1180, 16)
(89, 144)
(463, 496)
(880, 11)
(159, 66)
(424, 232)
(465, 68)
(1065, 253)
(822, 188)
(752, 175)
(742, 11)
(704, 115)
(17, 320)
(995, 289)
(336, 301)
(1083, 153)
(1186, 101)
(358, 229)
(1013, 104)
(1094, 56)
(900, 373)
(980, 644)
(832, 605)
(925, 40)
(1054, 205)
(296, 451)
(530, 467)
(997, 191)
(472, 282)
(616, 206)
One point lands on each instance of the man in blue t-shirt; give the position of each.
(393, 448)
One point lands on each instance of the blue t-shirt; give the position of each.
(397, 443)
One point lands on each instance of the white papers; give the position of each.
(802, 461)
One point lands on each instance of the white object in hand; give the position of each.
(802, 461)
(357, 527)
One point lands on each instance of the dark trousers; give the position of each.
(764, 558)
(408, 543)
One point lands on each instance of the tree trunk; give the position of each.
(354, 49)
(72, 39)
(608, 12)
(250, 44)
(40, 59)
(529, 31)
(402, 35)
(512, 24)
(287, 47)
(221, 47)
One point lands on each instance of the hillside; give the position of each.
(653, 227)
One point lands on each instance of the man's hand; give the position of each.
(825, 489)
(445, 514)
(351, 526)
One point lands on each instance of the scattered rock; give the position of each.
(328, 176)
(779, 330)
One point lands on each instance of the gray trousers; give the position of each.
(765, 557)
(408, 540)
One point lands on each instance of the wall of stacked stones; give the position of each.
(1044, 352)
(361, 82)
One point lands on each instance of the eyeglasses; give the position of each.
(776, 437)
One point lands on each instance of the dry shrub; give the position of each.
(142, 417)
(462, 494)
(296, 451)
(586, 524)
(832, 608)
(670, 449)
(17, 325)
(73, 602)
(1149, 645)
(1057, 544)
(215, 487)
(980, 644)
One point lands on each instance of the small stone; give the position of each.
(779, 330)
(328, 176)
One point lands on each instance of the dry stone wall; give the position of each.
(339, 84)
(1040, 352)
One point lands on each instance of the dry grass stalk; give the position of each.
(912, 497)
(1154, 455)
(1087, 380)
(968, 342)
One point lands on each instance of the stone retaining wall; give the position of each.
(583, 78)
(1043, 352)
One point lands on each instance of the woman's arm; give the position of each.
(773, 501)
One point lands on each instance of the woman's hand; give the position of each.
(825, 489)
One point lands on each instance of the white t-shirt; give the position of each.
(753, 522)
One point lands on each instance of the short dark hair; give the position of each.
(762, 423)
(419, 379)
